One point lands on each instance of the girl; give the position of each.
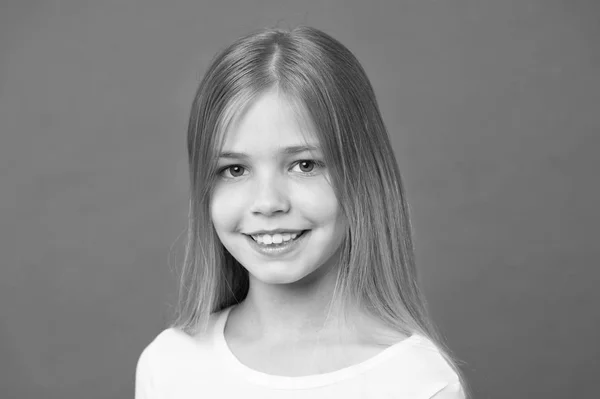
(299, 278)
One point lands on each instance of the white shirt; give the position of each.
(176, 365)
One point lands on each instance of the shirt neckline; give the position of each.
(301, 382)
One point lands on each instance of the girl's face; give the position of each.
(272, 187)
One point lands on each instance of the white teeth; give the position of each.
(278, 238)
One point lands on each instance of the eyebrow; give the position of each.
(287, 151)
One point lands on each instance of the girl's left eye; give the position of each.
(306, 166)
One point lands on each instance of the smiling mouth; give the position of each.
(275, 240)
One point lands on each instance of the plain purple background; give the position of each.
(493, 108)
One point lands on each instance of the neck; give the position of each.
(288, 312)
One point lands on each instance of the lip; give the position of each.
(271, 232)
(281, 249)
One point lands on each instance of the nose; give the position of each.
(270, 197)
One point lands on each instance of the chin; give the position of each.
(277, 273)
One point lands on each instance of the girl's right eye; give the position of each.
(232, 171)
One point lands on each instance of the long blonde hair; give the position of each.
(377, 269)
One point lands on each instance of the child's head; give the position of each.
(272, 186)
(290, 89)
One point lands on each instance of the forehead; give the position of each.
(268, 122)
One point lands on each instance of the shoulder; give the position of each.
(161, 362)
(147, 373)
(428, 358)
(169, 341)
(175, 345)
(174, 359)
(170, 347)
(422, 365)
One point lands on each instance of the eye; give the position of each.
(306, 165)
(233, 171)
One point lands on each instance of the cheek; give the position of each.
(224, 209)
(318, 203)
